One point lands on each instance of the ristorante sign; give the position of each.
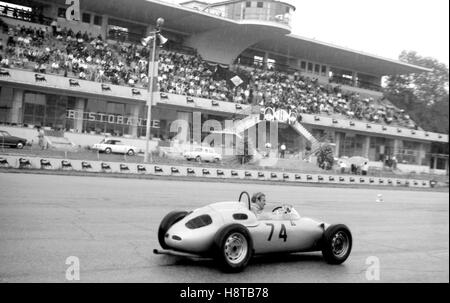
(109, 118)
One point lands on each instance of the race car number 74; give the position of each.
(282, 235)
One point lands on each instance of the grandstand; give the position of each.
(228, 60)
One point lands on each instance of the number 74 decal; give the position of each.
(282, 235)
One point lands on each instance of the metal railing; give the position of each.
(359, 84)
(261, 15)
(124, 36)
(24, 15)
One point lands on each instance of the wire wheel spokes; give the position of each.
(340, 244)
(236, 248)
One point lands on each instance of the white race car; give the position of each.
(115, 146)
(231, 233)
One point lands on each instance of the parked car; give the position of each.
(11, 141)
(203, 153)
(115, 146)
(230, 233)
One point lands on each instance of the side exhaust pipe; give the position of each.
(174, 253)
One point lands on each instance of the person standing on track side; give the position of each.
(41, 138)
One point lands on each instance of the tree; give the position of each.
(325, 156)
(423, 95)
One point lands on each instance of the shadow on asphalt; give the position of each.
(271, 259)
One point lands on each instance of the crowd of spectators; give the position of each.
(79, 55)
(189, 75)
(302, 94)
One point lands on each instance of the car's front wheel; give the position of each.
(198, 159)
(233, 247)
(20, 145)
(337, 244)
(108, 150)
(130, 152)
(169, 220)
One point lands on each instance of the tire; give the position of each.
(169, 220)
(233, 248)
(20, 145)
(198, 159)
(337, 244)
(216, 160)
(108, 150)
(130, 152)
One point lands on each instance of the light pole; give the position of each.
(151, 75)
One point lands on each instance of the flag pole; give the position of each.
(151, 77)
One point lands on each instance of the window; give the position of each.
(248, 4)
(260, 4)
(317, 68)
(62, 12)
(86, 18)
(257, 60)
(324, 70)
(97, 20)
(310, 67)
(303, 65)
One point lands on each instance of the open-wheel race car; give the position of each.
(232, 234)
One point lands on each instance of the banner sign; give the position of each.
(109, 118)
(280, 115)
(236, 81)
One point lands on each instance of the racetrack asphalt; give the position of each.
(111, 225)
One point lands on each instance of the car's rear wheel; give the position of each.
(130, 152)
(20, 145)
(233, 247)
(108, 150)
(198, 159)
(337, 244)
(169, 220)
(216, 160)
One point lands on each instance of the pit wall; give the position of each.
(37, 163)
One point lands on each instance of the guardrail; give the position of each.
(37, 163)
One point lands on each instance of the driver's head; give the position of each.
(260, 200)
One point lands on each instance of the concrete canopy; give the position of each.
(199, 27)
(337, 56)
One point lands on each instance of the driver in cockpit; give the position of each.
(285, 212)
(257, 206)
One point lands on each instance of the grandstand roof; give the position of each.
(219, 3)
(177, 18)
(194, 1)
(338, 56)
(191, 22)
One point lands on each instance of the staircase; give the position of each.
(241, 125)
(315, 144)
